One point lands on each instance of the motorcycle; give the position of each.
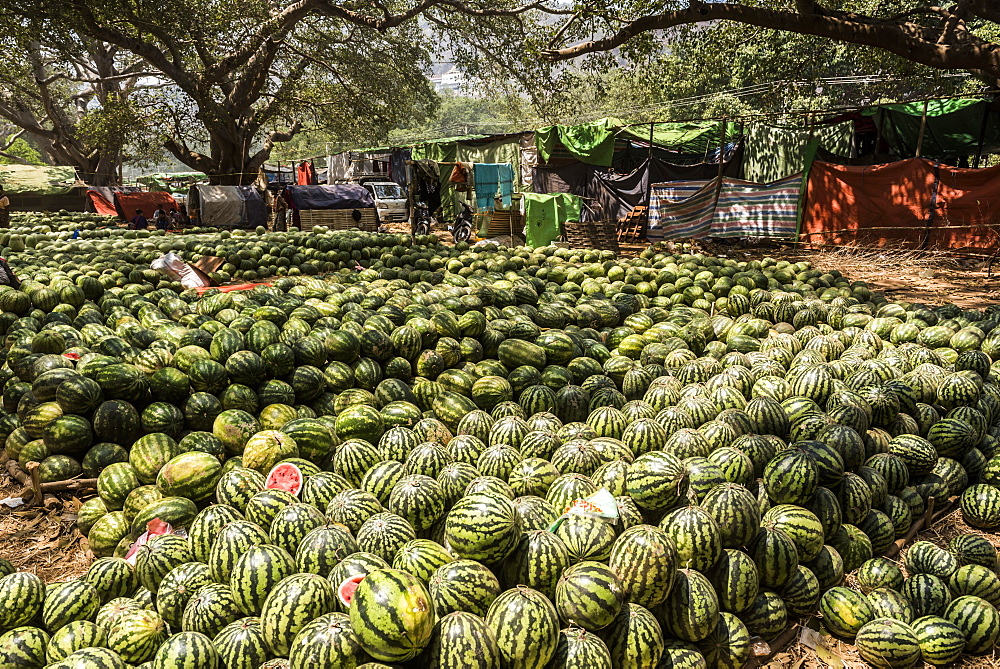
(461, 230)
(423, 222)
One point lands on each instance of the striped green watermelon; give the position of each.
(691, 610)
(463, 585)
(978, 620)
(112, 577)
(211, 608)
(735, 511)
(72, 637)
(644, 559)
(537, 562)
(241, 645)
(327, 641)
(888, 603)
(845, 611)
(136, 635)
(292, 523)
(877, 573)
(255, 574)
(233, 541)
(193, 475)
(186, 650)
(24, 647)
(69, 601)
(321, 549)
(482, 527)
(290, 605)
(461, 640)
(728, 645)
(177, 588)
(237, 486)
(766, 616)
(656, 480)
(91, 658)
(973, 549)
(589, 594)
(392, 615)
(888, 643)
(940, 641)
(422, 558)
(526, 627)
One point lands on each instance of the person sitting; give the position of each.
(175, 219)
(185, 219)
(139, 221)
(160, 218)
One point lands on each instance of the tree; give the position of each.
(240, 78)
(962, 36)
(71, 96)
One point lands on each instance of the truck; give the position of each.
(390, 199)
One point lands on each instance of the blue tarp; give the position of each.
(341, 196)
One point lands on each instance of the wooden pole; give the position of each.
(923, 129)
(982, 134)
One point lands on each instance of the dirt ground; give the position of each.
(932, 278)
(43, 540)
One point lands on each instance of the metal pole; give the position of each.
(923, 129)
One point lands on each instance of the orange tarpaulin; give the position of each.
(911, 203)
(127, 203)
(101, 205)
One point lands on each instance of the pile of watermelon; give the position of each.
(406, 454)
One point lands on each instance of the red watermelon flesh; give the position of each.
(346, 590)
(285, 476)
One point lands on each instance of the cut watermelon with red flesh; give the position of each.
(346, 590)
(285, 476)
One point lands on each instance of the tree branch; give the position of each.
(909, 40)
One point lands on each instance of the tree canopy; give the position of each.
(962, 35)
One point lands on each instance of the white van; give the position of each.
(390, 200)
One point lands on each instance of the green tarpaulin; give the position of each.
(38, 180)
(774, 152)
(545, 214)
(953, 127)
(592, 143)
(694, 137)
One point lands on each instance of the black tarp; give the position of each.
(608, 195)
(340, 196)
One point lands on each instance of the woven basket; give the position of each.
(601, 235)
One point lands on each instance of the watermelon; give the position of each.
(526, 627)
(391, 614)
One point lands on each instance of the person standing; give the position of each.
(4, 209)
(280, 213)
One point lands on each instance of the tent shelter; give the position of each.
(340, 206)
(227, 206)
(42, 188)
(127, 203)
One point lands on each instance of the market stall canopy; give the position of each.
(127, 203)
(339, 196)
(39, 179)
(953, 127)
(227, 206)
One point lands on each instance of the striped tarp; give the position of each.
(681, 209)
(747, 209)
